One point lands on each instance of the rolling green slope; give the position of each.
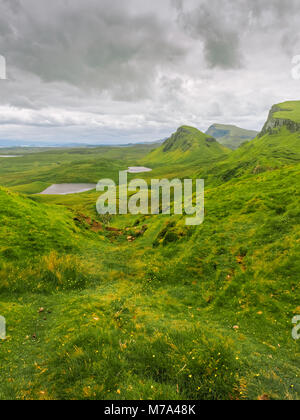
(188, 145)
(216, 301)
(29, 228)
(230, 136)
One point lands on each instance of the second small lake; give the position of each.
(138, 169)
(65, 189)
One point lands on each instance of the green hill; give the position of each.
(286, 114)
(187, 145)
(29, 228)
(42, 246)
(230, 136)
(278, 145)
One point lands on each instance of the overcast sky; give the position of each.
(119, 71)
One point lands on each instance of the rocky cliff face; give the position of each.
(274, 124)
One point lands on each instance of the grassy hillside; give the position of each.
(29, 228)
(230, 136)
(187, 145)
(178, 312)
(263, 154)
(157, 317)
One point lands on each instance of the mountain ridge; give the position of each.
(230, 135)
(277, 146)
(187, 144)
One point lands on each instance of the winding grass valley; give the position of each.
(144, 307)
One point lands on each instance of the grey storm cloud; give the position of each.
(217, 31)
(135, 70)
(225, 26)
(92, 44)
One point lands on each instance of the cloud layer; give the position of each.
(114, 71)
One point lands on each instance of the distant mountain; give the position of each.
(23, 143)
(230, 135)
(187, 145)
(11, 143)
(18, 143)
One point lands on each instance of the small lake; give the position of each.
(10, 156)
(65, 189)
(138, 169)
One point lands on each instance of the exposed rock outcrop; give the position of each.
(273, 124)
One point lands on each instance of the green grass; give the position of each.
(180, 313)
(31, 229)
(289, 111)
(263, 154)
